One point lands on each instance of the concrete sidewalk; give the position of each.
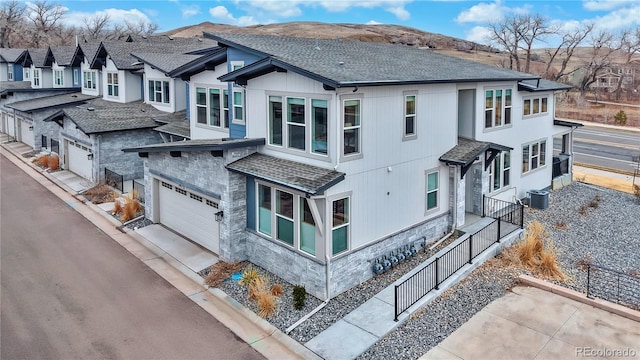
(179, 271)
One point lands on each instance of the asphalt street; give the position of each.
(69, 291)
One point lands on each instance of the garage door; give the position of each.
(10, 126)
(79, 162)
(190, 214)
(26, 132)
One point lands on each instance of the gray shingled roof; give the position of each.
(179, 128)
(163, 62)
(350, 63)
(467, 150)
(292, 174)
(63, 54)
(49, 101)
(542, 85)
(198, 145)
(98, 116)
(38, 56)
(10, 55)
(11, 85)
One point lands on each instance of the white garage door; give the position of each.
(189, 214)
(10, 126)
(26, 132)
(79, 162)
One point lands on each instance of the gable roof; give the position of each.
(48, 102)
(63, 55)
(99, 116)
(163, 62)
(340, 63)
(11, 86)
(37, 57)
(10, 55)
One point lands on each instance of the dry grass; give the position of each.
(258, 286)
(276, 290)
(42, 161)
(54, 162)
(636, 191)
(117, 207)
(536, 253)
(267, 304)
(131, 208)
(583, 210)
(100, 194)
(221, 271)
(250, 276)
(133, 193)
(561, 225)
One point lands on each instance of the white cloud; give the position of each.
(620, 18)
(604, 5)
(481, 13)
(222, 14)
(283, 9)
(479, 34)
(373, 22)
(400, 12)
(189, 11)
(116, 16)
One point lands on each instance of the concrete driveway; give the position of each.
(529, 323)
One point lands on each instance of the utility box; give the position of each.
(539, 199)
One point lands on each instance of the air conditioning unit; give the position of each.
(539, 199)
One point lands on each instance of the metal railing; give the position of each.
(55, 146)
(43, 141)
(113, 179)
(139, 188)
(437, 271)
(560, 166)
(614, 286)
(510, 213)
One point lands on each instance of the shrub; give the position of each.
(561, 225)
(266, 303)
(533, 254)
(42, 161)
(636, 191)
(620, 118)
(258, 286)
(131, 208)
(249, 276)
(221, 271)
(548, 266)
(53, 162)
(299, 296)
(276, 290)
(583, 210)
(117, 207)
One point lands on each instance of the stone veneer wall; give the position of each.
(50, 129)
(460, 192)
(481, 186)
(346, 271)
(111, 156)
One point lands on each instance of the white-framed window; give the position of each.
(58, 77)
(497, 109)
(534, 155)
(500, 171)
(285, 217)
(211, 107)
(351, 127)
(10, 72)
(432, 190)
(89, 80)
(76, 73)
(340, 221)
(159, 91)
(535, 106)
(299, 123)
(36, 77)
(238, 106)
(410, 117)
(235, 65)
(113, 86)
(26, 74)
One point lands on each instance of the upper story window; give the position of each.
(497, 109)
(534, 156)
(235, 65)
(212, 108)
(159, 91)
(36, 77)
(89, 80)
(112, 84)
(58, 76)
(535, 106)
(410, 116)
(500, 171)
(26, 74)
(299, 123)
(10, 72)
(238, 107)
(351, 127)
(76, 73)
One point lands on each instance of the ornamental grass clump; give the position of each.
(53, 162)
(130, 209)
(259, 291)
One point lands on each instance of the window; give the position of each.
(75, 76)
(351, 127)
(238, 113)
(535, 106)
(307, 228)
(26, 74)
(211, 108)
(306, 126)
(10, 72)
(112, 84)
(264, 209)
(497, 108)
(409, 115)
(36, 77)
(499, 171)
(159, 91)
(534, 156)
(89, 80)
(340, 225)
(58, 77)
(284, 216)
(432, 190)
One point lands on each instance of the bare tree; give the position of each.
(506, 35)
(533, 28)
(602, 47)
(45, 18)
(11, 15)
(96, 26)
(564, 52)
(142, 27)
(630, 47)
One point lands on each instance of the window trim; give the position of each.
(541, 99)
(541, 155)
(427, 210)
(163, 96)
(36, 77)
(89, 80)
(360, 153)
(113, 86)
(329, 242)
(506, 106)
(500, 159)
(58, 77)
(234, 106)
(10, 72)
(414, 135)
(224, 110)
(75, 76)
(26, 74)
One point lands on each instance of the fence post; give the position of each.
(470, 248)
(588, 280)
(437, 282)
(484, 202)
(498, 231)
(521, 216)
(396, 303)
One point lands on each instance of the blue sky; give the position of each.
(462, 19)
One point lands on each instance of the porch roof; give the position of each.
(566, 123)
(197, 145)
(467, 151)
(312, 180)
(48, 102)
(179, 128)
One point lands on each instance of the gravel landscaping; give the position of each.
(586, 223)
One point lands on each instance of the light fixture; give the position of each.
(31, 127)
(219, 215)
(89, 156)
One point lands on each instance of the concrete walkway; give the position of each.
(530, 323)
(364, 326)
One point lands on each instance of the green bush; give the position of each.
(299, 296)
(620, 118)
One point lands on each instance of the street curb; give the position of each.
(580, 297)
(274, 345)
(603, 126)
(602, 168)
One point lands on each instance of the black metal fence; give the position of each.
(510, 214)
(55, 146)
(114, 179)
(614, 286)
(560, 166)
(43, 141)
(139, 188)
(433, 274)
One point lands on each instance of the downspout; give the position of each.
(454, 214)
(337, 131)
(97, 157)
